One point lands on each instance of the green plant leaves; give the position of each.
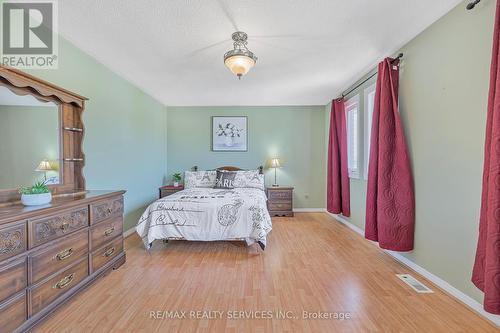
(37, 188)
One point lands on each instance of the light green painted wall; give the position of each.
(443, 98)
(125, 129)
(294, 133)
(20, 156)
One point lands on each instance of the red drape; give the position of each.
(486, 272)
(338, 177)
(390, 202)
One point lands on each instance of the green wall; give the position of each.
(294, 133)
(28, 135)
(443, 93)
(125, 129)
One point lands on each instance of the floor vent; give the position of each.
(414, 283)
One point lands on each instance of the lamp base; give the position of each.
(276, 185)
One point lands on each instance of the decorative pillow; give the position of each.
(225, 179)
(194, 179)
(249, 179)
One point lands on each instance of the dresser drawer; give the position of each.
(54, 258)
(279, 206)
(13, 312)
(279, 195)
(46, 292)
(105, 254)
(13, 277)
(105, 209)
(46, 229)
(166, 191)
(103, 232)
(12, 240)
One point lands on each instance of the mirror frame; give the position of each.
(71, 129)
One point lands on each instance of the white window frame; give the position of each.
(368, 115)
(351, 105)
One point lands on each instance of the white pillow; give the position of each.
(249, 179)
(193, 179)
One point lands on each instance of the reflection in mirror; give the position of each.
(29, 140)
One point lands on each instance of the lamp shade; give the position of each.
(275, 163)
(239, 64)
(44, 166)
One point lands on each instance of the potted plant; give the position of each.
(177, 178)
(38, 194)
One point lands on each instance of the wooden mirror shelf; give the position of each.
(71, 129)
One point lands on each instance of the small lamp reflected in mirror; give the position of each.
(44, 167)
(275, 163)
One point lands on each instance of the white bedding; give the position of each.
(206, 214)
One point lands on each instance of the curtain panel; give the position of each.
(486, 271)
(390, 202)
(338, 178)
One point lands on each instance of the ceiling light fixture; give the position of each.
(239, 60)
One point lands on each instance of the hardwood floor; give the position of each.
(312, 263)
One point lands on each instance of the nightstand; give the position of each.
(165, 191)
(280, 200)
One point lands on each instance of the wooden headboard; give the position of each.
(231, 168)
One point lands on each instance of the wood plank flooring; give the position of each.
(312, 263)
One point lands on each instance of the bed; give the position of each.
(203, 213)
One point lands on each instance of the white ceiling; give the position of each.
(309, 50)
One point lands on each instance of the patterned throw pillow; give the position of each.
(249, 179)
(193, 179)
(225, 179)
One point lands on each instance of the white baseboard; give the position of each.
(128, 232)
(308, 210)
(448, 288)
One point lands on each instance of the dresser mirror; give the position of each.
(29, 140)
(41, 136)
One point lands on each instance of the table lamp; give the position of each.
(275, 163)
(44, 166)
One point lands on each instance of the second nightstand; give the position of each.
(165, 191)
(280, 200)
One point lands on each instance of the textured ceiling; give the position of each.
(309, 50)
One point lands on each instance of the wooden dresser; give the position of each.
(280, 200)
(48, 254)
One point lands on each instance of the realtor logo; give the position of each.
(29, 34)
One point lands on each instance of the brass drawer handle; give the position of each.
(64, 226)
(109, 252)
(64, 282)
(109, 231)
(64, 254)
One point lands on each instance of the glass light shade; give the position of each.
(275, 163)
(239, 64)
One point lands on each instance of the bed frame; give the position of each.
(235, 241)
(231, 168)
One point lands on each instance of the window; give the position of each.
(352, 120)
(369, 99)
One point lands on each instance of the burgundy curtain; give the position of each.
(486, 272)
(390, 202)
(338, 178)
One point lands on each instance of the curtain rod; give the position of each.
(472, 4)
(344, 94)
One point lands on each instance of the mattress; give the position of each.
(206, 214)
